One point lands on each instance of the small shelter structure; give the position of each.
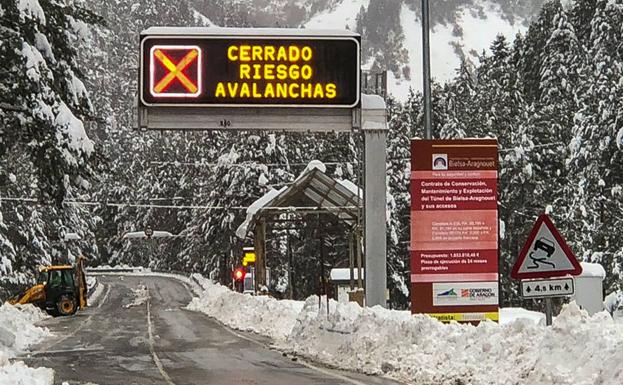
(312, 193)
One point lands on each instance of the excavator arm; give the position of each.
(81, 281)
(34, 295)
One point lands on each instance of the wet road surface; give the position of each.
(158, 342)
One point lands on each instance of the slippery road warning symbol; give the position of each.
(545, 254)
(175, 71)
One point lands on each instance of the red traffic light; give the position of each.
(239, 274)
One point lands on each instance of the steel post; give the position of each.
(426, 69)
(375, 217)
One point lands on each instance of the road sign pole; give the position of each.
(548, 311)
(426, 69)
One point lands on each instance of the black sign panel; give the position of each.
(254, 71)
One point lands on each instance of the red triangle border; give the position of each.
(543, 218)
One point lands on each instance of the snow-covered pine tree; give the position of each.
(45, 153)
(538, 34)
(595, 158)
(42, 97)
(554, 112)
(458, 101)
(403, 124)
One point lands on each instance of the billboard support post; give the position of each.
(374, 127)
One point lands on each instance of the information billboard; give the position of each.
(454, 229)
(250, 70)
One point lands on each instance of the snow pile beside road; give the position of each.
(17, 329)
(18, 373)
(17, 333)
(512, 314)
(576, 350)
(262, 315)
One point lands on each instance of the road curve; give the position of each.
(158, 342)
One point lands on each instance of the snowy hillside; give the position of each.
(391, 29)
(470, 32)
(451, 43)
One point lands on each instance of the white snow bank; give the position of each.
(19, 374)
(17, 329)
(96, 269)
(17, 333)
(512, 314)
(577, 349)
(613, 303)
(263, 315)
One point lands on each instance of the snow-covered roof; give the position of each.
(343, 274)
(341, 197)
(242, 32)
(592, 270)
(241, 231)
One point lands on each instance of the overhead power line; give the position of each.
(245, 164)
(185, 207)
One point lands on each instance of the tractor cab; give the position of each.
(60, 289)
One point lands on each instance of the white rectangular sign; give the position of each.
(553, 287)
(465, 293)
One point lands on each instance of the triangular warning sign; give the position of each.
(545, 254)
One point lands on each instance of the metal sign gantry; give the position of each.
(272, 80)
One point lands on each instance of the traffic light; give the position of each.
(239, 274)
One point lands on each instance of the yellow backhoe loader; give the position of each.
(60, 289)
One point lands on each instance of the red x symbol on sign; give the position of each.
(176, 79)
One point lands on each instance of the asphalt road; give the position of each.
(158, 342)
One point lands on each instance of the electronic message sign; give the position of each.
(250, 71)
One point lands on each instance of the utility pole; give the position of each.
(290, 275)
(426, 69)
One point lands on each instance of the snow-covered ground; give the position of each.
(141, 295)
(577, 349)
(262, 315)
(17, 333)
